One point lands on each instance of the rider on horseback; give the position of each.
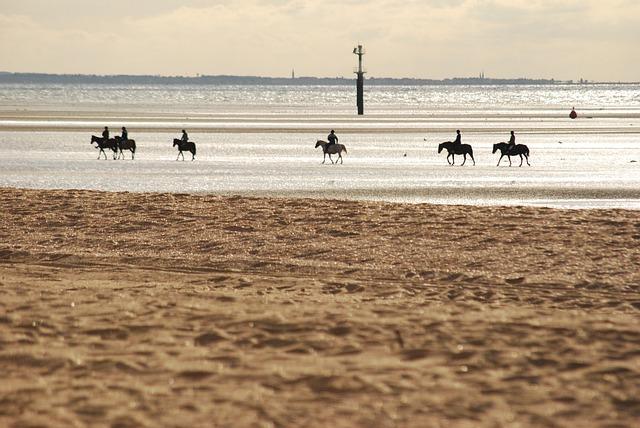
(512, 142)
(458, 140)
(185, 137)
(125, 134)
(105, 133)
(332, 138)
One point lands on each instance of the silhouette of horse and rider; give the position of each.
(457, 148)
(506, 149)
(184, 145)
(116, 144)
(512, 149)
(331, 147)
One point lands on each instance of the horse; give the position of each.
(331, 149)
(126, 145)
(189, 146)
(102, 144)
(518, 149)
(457, 149)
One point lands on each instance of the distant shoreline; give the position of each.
(26, 78)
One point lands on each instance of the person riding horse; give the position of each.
(512, 142)
(105, 133)
(332, 138)
(185, 137)
(125, 134)
(458, 141)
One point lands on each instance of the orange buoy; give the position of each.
(573, 113)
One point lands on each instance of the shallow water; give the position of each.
(260, 141)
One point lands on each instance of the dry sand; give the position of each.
(123, 309)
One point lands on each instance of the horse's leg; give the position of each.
(464, 159)
(324, 159)
(509, 157)
(520, 161)
(501, 156)
(340, 157)
(193, 156)
(331, 159)
(133, 154)
(105, 156)
(527, 158)
(473, 159)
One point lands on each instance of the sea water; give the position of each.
(259, 140)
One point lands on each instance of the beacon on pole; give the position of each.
(359, 50)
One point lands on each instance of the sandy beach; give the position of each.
(157, 309)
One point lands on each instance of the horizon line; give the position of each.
(290, 78)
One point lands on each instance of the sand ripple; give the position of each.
(126, 309)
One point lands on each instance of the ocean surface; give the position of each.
(259, 140)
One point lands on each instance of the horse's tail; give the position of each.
(194, 149)
(344, 148)
(133, 145)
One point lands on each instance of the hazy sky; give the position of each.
(569, 39)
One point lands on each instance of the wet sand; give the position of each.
(134, 309)
(247, 120)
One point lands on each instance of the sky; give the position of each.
(570, 39)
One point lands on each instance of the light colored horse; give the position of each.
(331, 149)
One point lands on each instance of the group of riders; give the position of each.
(125, 134)
(122, 142)
(332, 138)
(512, 141)
(455, 147)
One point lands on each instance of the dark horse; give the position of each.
(455, 149)
(331, 149)
(103, 143)
(517, 150)
(189, 146)
(126, 145)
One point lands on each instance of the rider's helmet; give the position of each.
(457, 131)
(333, 132)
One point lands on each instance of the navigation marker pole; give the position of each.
(359, 50)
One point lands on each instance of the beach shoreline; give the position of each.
(143, 309)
